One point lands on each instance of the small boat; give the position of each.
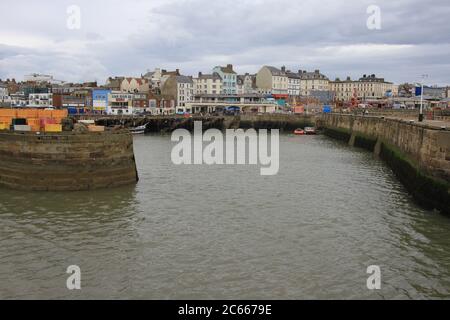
(139, 129)
(310, 130)
(299, 132)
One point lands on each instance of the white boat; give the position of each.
(310, 130)
(139, 129)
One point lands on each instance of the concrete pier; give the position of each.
(66, 161)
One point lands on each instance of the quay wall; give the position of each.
(66, 161)
(245, 121)
(418, 154)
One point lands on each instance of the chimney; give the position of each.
(178, 71)
(317, 71)
(230, 66)
(283, 68)
(199, 74)
(300, 71)
(348, 78)
(364, 76)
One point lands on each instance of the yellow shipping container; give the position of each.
(53, 128)
(4, 126)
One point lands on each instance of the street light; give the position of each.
(421, 98)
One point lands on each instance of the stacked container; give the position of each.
(35, 119)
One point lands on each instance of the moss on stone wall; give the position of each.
(338, 133)
(426, 190)
(365, 142)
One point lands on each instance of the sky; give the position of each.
(129, 38)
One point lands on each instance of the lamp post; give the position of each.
(421, 98)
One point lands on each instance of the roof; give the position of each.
(275, 71)
(184, 79)
(214, 76)
(149, 74)
(227, 69)
(140, 81)
(293, 75)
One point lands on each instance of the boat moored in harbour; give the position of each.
(310, 130)
(139, 129)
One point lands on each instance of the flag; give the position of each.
(418, 91)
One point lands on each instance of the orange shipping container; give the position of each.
(8, 113)
(57, 120)
(6, 120)
(27, 113)
(44, 113)
(35, 123)
(59, 113)
(35, 128)
(32, 121)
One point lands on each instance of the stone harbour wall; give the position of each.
(66, 161)
(418, 154)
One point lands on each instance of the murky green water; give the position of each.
(199, 232)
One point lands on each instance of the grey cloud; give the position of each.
(198, 34)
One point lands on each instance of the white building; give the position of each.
(207, 84)
(303, 83)
(179, 88)
(367, 87)
(272, 80)
(313, 81)
(39, 78)
(18, 100)
(40, 100)
(3, 91)
(246, 84)
(294, 83)
(185, 92)
(120, 103)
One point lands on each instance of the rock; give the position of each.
(80, 128)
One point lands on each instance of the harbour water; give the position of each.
(226, 232)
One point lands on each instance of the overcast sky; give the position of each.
(131, 37)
